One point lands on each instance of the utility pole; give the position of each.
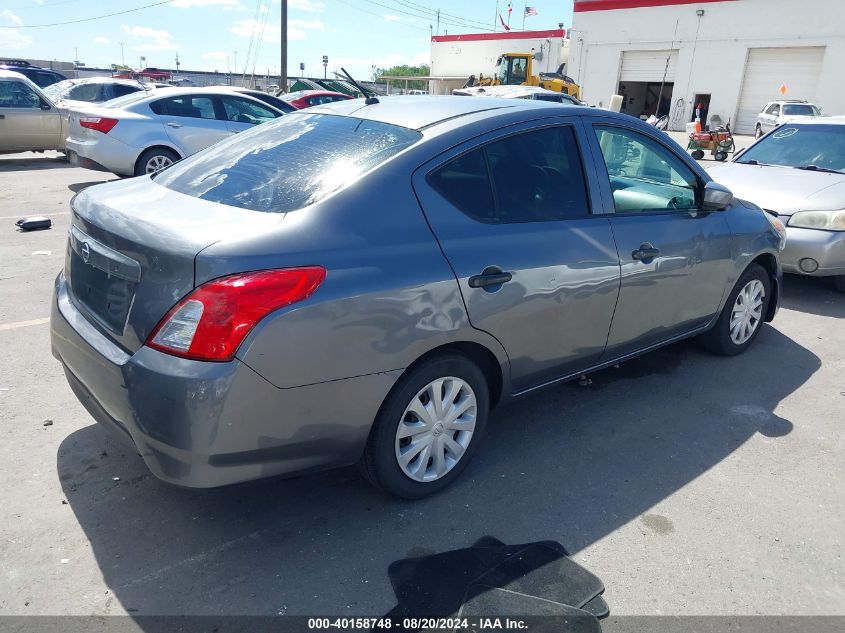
(283, 57)
(122, 59)
(177, 63)
(438, 21)
(325, 65)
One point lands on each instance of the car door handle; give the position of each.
(490, 276)
(645, 252)
(2, 116)
(172, 124)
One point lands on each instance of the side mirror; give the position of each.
(716, 197)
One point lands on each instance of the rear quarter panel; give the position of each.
(388, 298)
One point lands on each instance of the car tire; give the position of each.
(400, 432)
(758, 131)
(839, 283)
(156, 155)
(729, 337)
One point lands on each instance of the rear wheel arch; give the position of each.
(479, 354)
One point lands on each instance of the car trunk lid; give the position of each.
(131, 252)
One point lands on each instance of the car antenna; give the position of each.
(370, 98)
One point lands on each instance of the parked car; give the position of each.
(75, 93)
(308, 98)
(269, 99)
(798, 172)
(28, 120)
(143, 133)
(41, 77)
(517, 92)
(93, 89)
(363, 283)
(777, 112)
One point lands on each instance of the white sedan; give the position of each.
(143, 133)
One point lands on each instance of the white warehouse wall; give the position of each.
(476, 53)
(712, 49)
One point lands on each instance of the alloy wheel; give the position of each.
(157, 163)
(747, 312)
(436, 429)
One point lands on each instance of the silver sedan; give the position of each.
(143, 133)
(798, 172)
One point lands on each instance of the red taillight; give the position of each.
(212, 321)
(99, 123)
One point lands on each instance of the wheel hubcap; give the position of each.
(747, 311)
(436, 429)
(157, 163)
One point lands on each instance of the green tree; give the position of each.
(405, 70)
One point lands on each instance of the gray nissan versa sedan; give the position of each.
(362, 283)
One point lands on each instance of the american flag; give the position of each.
(530, 11)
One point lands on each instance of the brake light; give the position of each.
(99, 123)
(213, 320)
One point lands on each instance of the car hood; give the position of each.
(782, 189)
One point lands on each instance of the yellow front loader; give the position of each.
(516, 69)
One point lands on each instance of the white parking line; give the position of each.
(17, 324)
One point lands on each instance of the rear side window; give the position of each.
(191, 107)
(465, 182)
(536, 176)
(288, 163)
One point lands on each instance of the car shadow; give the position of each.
(813, 295)
(570, 464)
(34, 161)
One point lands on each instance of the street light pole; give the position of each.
(283, 67)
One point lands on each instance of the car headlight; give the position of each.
(778, 226)
(825, 220)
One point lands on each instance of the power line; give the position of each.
(419, 7)
(381, 15)
(98, 17)
(449, 22)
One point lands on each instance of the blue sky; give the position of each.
(206, 33)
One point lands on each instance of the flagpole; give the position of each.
(524, 8)
(496, 17)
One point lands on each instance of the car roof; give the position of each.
(418, 112)
(11, 74)
(817, 120)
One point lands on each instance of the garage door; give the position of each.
(767, 70)
(648, 66)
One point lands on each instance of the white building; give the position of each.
(455, 57)
(730, 56)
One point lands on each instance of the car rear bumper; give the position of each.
(825, 248)
(202, 424)
(104, 153)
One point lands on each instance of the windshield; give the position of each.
(289, 163)
(132, 97)
(800, 109)
(55, 91)
(801, 146)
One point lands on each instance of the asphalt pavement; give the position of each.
(689, 484)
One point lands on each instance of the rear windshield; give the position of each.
(800, 109)
(125, 100)
(288, 163)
